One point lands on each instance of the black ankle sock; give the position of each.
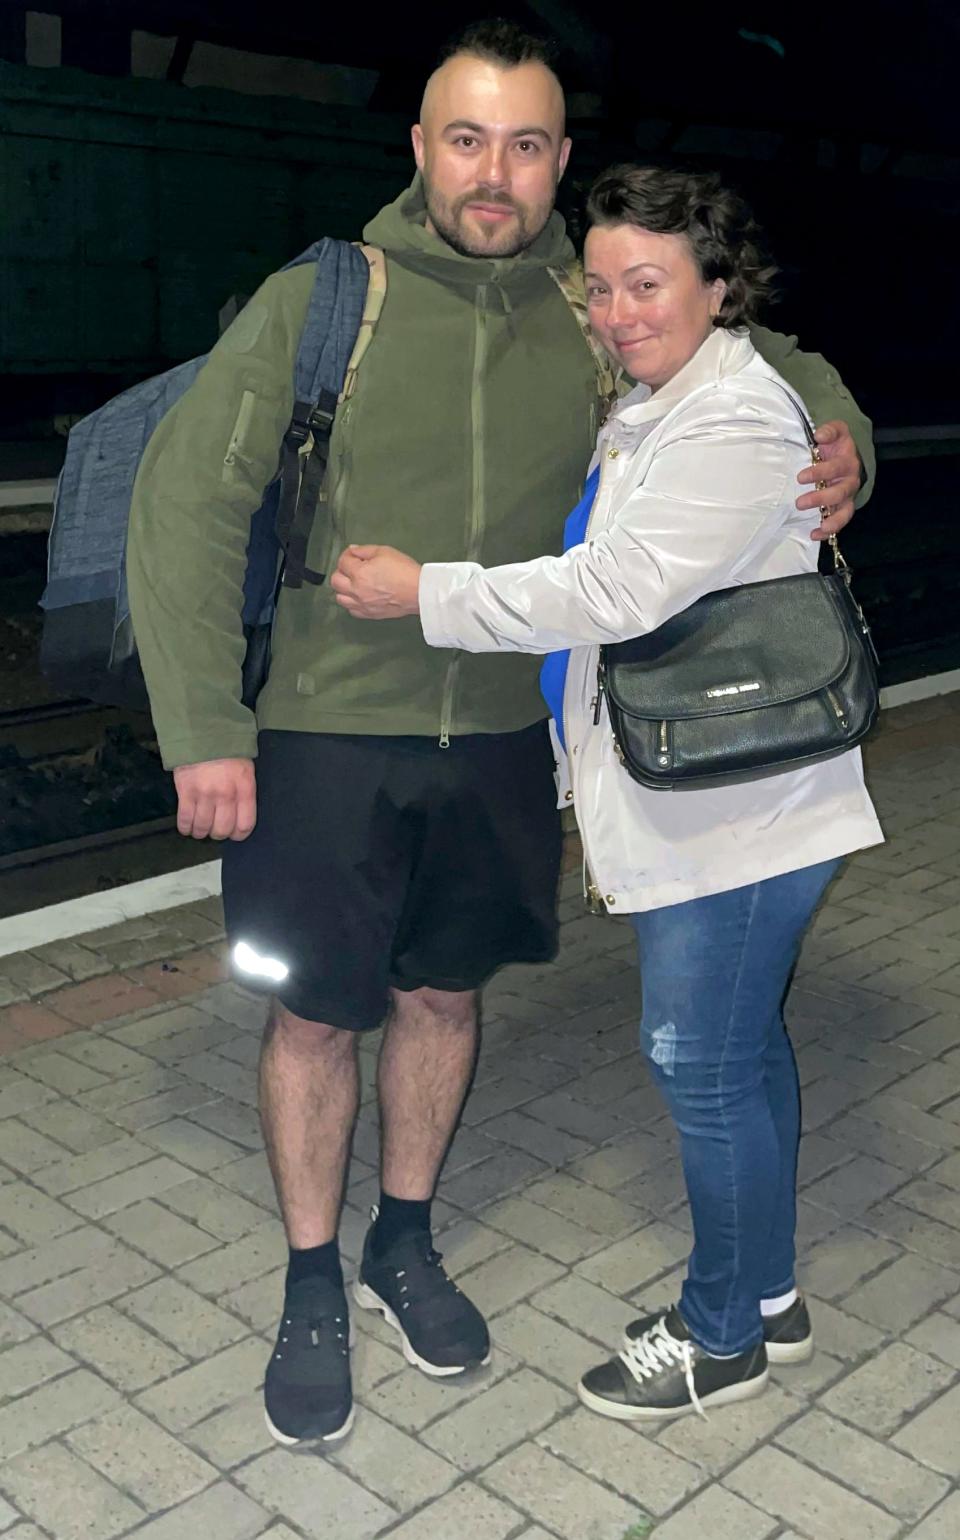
(315, 1262)
(399, 1217)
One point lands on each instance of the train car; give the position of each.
(133, 208)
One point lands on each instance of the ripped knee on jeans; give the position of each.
(660, 1045)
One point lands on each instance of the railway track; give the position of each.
(25, 716)
(60, 727)
(59, 850)
(81, 790)
(48, 726)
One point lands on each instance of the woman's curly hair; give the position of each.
(723, 235)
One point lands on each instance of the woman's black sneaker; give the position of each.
(307, 1393)
(788, 1336)
(441, 1331)
(663, 1373)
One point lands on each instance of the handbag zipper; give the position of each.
(838, 710)
(663, 758)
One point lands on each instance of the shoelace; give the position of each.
(315, 1327)
(655, 1351)
(430, 1258)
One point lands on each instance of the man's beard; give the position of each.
(447, 220)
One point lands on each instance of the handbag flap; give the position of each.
(761, 644)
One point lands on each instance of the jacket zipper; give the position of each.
(241, 427)
(597, 702)
(596, 903)
(477, 493)
(336, 503)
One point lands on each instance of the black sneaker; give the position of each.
(441, 1332)
(663, 1373)
(307, 1393)
(788, 1336)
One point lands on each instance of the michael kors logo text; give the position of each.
(734, 689)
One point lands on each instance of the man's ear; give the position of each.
(416, 135)
(565, 149)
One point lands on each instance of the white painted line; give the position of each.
(920, 689)
(26, 494)
(22, 932)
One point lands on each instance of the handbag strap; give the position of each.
(840, 563)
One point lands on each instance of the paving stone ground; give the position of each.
(141, 1259)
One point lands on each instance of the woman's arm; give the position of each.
(716, 497)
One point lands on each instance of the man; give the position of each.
(399, 843)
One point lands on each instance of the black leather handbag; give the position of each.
(747, 682)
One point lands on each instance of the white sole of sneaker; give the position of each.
(326, 1438)
(743, 1391)
(790, 1352)
(368, 1300)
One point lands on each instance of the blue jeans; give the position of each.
(715, 972)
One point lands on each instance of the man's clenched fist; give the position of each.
(217, 798)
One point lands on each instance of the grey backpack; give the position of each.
(88, 648)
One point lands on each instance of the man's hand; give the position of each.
(217, 798)
(375, 582)
(837, 479)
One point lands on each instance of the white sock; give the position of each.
(775, 1306)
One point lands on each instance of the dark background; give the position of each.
(132, 207)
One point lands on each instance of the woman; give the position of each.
(695, 493)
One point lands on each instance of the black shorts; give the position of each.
(381, 863)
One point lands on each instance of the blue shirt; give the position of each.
(553, 675)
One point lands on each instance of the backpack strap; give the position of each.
(569, 280)
(313, 453)
(338, 304)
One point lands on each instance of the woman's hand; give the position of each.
(837, 478)
(375, 582)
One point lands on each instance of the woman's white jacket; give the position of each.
(697, 492)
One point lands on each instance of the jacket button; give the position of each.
(613, 454)
(568, 796)
(609, 900)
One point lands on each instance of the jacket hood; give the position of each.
(400, 229)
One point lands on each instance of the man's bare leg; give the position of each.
(426, 1065)
(309, 1095)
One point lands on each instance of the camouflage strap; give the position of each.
(569, 280)
(373, 304)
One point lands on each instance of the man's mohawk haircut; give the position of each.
(501, 42)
